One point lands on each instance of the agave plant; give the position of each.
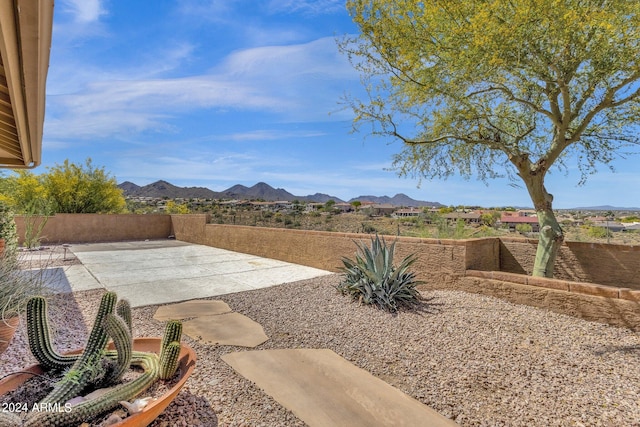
(373, 279)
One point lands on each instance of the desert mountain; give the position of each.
(165, 189)
(397, 200)
(261, 190)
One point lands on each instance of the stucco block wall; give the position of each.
(607, 264)
(325, 249)
(87, 228)
(618, 307)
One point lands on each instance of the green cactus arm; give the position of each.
(98, 338)
(169, 360)
(105, 402)
(88, 368)
(172, 332)
(119, 332)
(123, 309)
(39, 337)
(170, 349)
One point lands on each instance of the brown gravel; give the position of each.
(478, 360)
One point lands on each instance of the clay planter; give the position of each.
(7, 330)
(154, 408)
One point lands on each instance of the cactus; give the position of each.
(39, 336)
(96, 367)
(88, 369)
(123, 309)
(170, 349)
(120, 333)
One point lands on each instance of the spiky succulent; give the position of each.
(373, 279)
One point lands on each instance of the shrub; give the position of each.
(524, 228)
(8, 231)
(598, 232)
(372, 278)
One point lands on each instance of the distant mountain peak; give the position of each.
(261, 190)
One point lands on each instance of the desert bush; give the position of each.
(524, 228)
(373, 279)
(598, 232)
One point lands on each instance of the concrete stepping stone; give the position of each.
(323, 389)
(225, 329)
(188, 309)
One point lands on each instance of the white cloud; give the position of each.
(298, 82)
(84, 11)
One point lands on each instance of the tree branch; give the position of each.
(512, 97)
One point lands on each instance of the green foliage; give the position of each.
(84, 188)
(524, 228)
(490, 218)
(598, 232)
(631, 218)
(8, 231)
(176, 208)
(373, 279)
(66, 188)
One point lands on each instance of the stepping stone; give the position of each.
(323, 389)
(194, 308)
(225, 329)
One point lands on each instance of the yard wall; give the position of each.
(325, 249)
(88, 228)
(598, 303)
(607, 264)
(597, 282)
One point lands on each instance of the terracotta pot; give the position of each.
(154, 408)
(7, 330)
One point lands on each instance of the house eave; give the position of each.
(25, 42)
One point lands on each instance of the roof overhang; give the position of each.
(25, 42)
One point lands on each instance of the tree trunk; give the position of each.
(549, 243)
(551, 235)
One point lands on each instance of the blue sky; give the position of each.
(215, 93)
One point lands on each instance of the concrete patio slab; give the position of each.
(188, 309)
(225, 329)
(166, 271)
(323, 389)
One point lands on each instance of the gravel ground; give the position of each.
(477, 360)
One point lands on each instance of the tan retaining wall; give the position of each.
(607, 264)
(604, 304)
(325, 249)
(87, 228)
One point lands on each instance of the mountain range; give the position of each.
(260, 191)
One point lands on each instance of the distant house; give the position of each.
(378, 209)
(343, 207)
(513, 219)
(468, 218)
(310, 207)
(408, 212)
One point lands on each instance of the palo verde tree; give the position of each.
(491, 88)
(74, 188)
(65, 188)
